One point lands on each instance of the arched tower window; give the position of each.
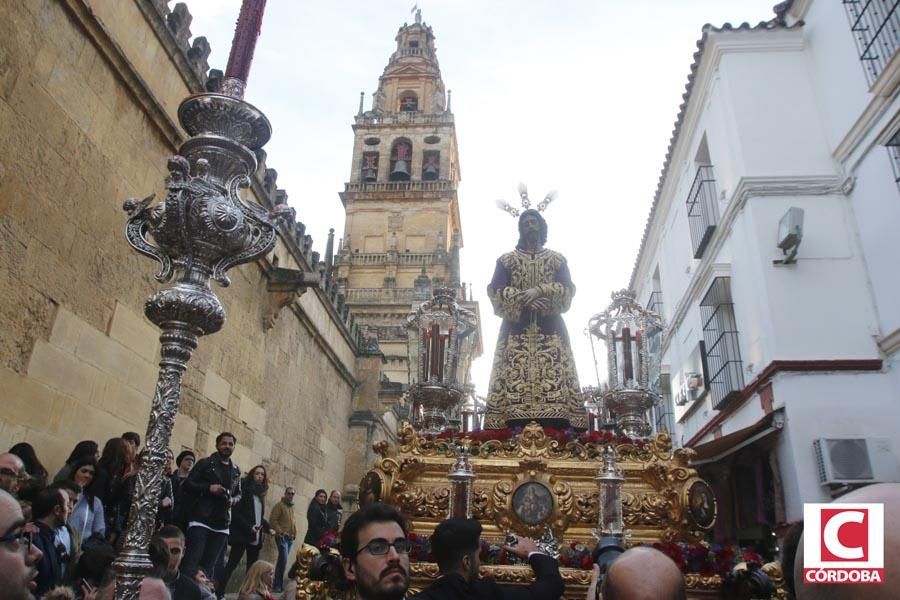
(409, 102)
(369, 171)
(401, 155)
(431, 165)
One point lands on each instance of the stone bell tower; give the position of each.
(402, 232)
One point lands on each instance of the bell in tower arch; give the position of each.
(400, 161)
(370, 167)
(431, 165)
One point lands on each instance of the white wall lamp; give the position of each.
(790, 234)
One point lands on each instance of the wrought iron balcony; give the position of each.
(876, 29)
(702, 209)
(722, 347)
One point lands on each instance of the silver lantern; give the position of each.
(441, 337)
(632, 337)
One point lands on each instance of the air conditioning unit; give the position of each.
(855, 460)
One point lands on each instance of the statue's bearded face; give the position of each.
(532, 229)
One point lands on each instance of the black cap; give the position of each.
(181, 456)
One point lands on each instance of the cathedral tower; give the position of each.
(402, 232)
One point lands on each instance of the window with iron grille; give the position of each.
(662, 417)
(876, 29)
(722, 350)
(894, 154)
(702, 210)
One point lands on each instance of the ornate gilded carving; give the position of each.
(776, 575)
(413, 475)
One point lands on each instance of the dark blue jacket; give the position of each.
(49, 568)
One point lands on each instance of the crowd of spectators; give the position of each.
(59, 538)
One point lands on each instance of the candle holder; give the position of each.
(632, 337)
(610, 532)
(462, 479)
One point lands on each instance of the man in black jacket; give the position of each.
(213, 486)
(181, 587)
(50, 509)
(456, 544)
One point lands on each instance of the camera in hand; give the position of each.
(608, 549)
(327, 567)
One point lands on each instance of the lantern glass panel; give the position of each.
(611, 522)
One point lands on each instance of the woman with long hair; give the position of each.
(129, 483)
(87, 516)
(316, 518)
(108, 483)
(257, 583)
(247, 524)
(82, 448)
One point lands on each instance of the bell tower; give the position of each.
(402, 231)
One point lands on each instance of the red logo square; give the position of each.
(845, 534)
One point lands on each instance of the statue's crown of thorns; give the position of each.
(526, 202)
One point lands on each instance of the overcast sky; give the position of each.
(578, 96)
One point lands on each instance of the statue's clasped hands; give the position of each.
(533, 299)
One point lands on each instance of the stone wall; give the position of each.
(89, 91)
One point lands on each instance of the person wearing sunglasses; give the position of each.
(18, 557)
(375, 552)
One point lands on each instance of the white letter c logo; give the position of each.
(830, 535)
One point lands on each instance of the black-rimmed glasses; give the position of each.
(10, 473)
(380, 546)
(22, 539)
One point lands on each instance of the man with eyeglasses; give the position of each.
(375, 552)
(18, 556)
(281, 519)
(12, 473)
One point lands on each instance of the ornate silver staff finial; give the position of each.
(201, 229)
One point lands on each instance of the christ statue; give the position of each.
(533, 376)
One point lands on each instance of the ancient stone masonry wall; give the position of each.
(89, 91)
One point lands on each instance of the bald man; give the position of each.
(643, 573)
(12, 472)
(18, 557)
(889, 495)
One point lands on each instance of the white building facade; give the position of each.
(775, 362)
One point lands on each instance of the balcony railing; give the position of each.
(876, 29)
(401, 186)
(722, 347)
(702, 209)
(405, 118)
(379, 258)
(385, 295)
